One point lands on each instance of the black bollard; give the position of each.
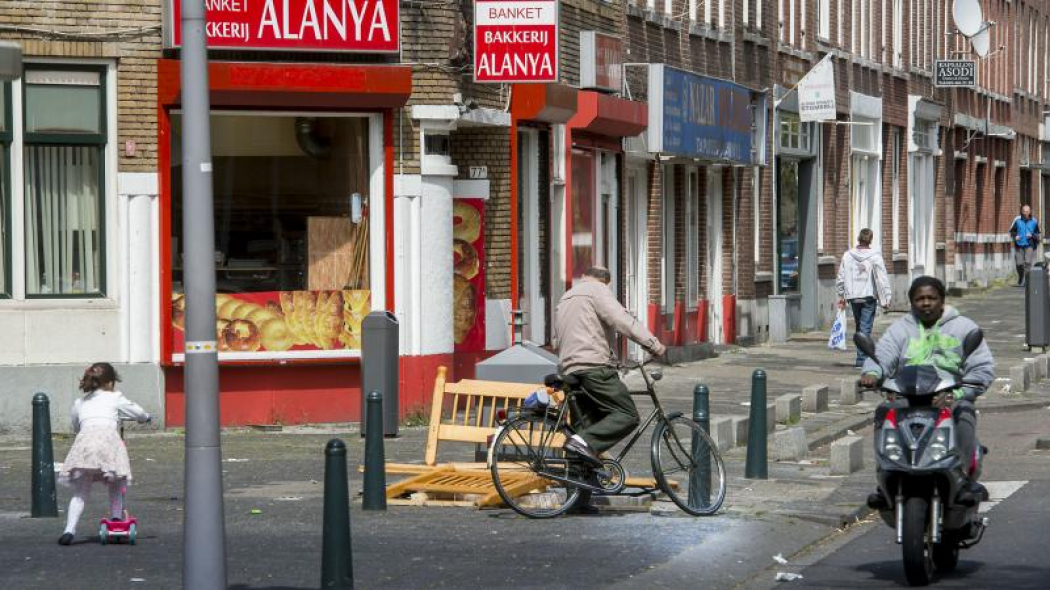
(375, 462)
(337, 567)
(757, 467)
(700, 478)
(44, 500)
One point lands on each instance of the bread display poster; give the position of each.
(279, 321)
(468, 280)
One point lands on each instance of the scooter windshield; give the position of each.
(922, 380)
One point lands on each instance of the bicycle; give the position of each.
(686, 464)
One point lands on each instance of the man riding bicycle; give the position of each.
(586, 321)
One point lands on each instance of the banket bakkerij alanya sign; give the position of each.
(371, 26)
(699, 117)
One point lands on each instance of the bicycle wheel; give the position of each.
(528, 464)
(688, 467)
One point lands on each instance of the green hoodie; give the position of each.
(909, 343)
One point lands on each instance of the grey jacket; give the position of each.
(586, 322)
(908, 342)
(862, 273)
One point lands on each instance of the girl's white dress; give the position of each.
(98, 452)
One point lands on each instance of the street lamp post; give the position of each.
(204, 530)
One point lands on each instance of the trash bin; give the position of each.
(379, 366)
(1037, 308)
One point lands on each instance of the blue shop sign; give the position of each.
(699, 117)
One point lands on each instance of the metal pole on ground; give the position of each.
(700, 478)
(756, 466)
(375, 462)
(204, 530)
(44, 501)
(337, 566)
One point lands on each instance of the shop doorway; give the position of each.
(532, 291)
(636, 274)
(714, 254)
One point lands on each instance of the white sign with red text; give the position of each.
(516, 41)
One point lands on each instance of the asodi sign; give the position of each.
(601, 61)
(306, 25)
(950, 73)
(699, 117)
(516, 41)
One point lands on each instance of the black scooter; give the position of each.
(920, 469)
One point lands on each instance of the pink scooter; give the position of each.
(111, 530)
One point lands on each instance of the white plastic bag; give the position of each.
(837, 340)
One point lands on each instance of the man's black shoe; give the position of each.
(971, 494)
(877, 501)
(65, 539)
(583, 450)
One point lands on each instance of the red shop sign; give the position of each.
(516, 41)
(304, 25)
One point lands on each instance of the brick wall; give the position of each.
(97, 23)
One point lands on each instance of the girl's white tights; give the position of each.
(81, 493)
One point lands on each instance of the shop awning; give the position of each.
(329, 86)
(545, 103)
(601, 114)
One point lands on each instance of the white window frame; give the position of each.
(111, 292)
(692, 238)
(780, 19)
(721, 13)
(824, 16)
(895, 177)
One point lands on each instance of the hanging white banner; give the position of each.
(816, 92)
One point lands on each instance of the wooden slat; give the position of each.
(496, 388)
(430, 454)
(454, 432)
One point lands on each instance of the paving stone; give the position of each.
(722, 433)
(847, 455)
(790, 445)
(849, 391)
(771, 416)
(1020, 377)
(815, 398)
(1042, 366)
(740, 429)
(789, 408)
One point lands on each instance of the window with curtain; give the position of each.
(65, 135)
(5, 189)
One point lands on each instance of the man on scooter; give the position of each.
(932, 334)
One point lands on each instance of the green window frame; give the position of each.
(6, 139)
(63, 261)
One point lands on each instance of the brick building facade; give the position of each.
(703, 248)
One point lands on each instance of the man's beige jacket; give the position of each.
(586, 322)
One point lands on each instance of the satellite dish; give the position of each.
(981, 42)
(968, 17)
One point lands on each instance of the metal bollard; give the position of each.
(375, 463)
(337, 567)
(757, 466)
(44, 500)
(700, 478)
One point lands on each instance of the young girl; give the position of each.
(98, 454)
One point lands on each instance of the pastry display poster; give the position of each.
(468, 278)
(280, 321)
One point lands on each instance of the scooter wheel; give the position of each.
(103, 534)
(132, 533)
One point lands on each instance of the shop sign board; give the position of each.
(516, 41)
(371, 26)
(955, 73)
(699, 117)
(601, 61)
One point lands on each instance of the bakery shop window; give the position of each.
(291, 231)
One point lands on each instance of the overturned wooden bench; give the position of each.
(466, 412)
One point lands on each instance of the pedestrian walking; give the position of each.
(98, 454)
(1025, 232)
(864, 284)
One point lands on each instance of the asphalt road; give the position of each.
(1013, 553)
